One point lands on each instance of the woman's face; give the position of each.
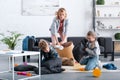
(91, 38)
(62, 15)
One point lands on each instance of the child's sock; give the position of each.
(99, 64)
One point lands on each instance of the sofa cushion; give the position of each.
(75, 40)
(101, 41)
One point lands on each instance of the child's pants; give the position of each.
(90, 62)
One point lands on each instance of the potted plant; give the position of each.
(12, 39)
(100, 2)
(117, 36)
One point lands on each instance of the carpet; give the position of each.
(70, 73)
(77, 66)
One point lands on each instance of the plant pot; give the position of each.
(117, 36)
(100, 2)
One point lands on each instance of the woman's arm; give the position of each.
(53, 27)
(63, 37)
(53, 30)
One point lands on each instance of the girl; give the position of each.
(93, 50)
(59, 25)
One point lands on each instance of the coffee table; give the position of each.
(16, 53)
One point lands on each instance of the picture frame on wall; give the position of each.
(39, 7)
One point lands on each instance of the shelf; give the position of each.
(107, 5)
(103, 28)
(116, 40)
(107, 17)
(108, 29)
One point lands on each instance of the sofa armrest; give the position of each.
(108, 45)
(30, 44)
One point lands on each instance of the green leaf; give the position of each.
(12, 39)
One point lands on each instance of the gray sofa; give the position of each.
(106, 44)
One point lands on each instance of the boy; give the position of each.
(47, 51)
(50, 61)
(92, 49)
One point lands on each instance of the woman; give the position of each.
(59, 25)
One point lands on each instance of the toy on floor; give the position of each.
(15, 65)
(97, 72)
(82, 69)
(24, 73)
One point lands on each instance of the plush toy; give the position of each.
(24, 73)
(97, 72)
(67, 61)
(15, 65)
(82, 69)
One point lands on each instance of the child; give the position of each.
(93, 50)
(47, 51)
(50, 61)
(59, 25)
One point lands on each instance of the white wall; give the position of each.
(79, 14)
(11, 18)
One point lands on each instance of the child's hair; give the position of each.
(59, 11)
(42, 44)
(91, 33)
